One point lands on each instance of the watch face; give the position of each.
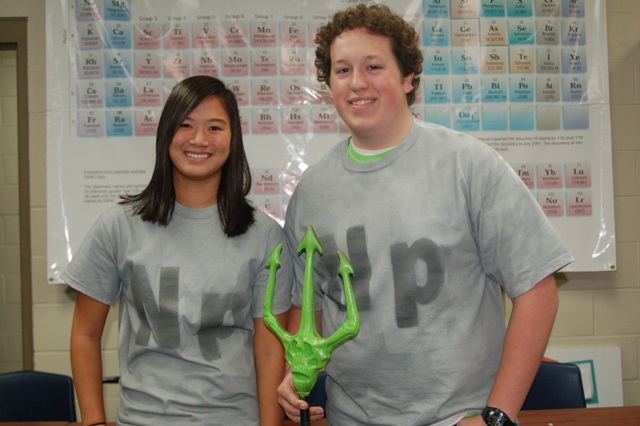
(495, 417)
(495, 420)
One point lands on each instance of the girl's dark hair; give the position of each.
(156, 202)
(376, 19)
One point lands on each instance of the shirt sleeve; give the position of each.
(93, 270)
(284, 275)
(517, 242)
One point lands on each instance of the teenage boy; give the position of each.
(436, 226)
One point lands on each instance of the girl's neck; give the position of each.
(196, 194)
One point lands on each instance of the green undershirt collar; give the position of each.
(363, 158)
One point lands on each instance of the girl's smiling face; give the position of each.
(200, 146)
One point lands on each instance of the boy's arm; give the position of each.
(527, 336)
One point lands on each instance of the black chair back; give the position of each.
(556, 385)
(34, 396)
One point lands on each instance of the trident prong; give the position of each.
(307, 352)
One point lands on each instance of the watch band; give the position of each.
(493, 416)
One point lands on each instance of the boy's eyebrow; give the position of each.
(368, 57)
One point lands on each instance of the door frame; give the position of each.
(13, 36)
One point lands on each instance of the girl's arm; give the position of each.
(89, 318)
(269, 358)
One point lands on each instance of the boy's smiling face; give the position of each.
(368, 88)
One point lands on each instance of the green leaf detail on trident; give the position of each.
(307, 352)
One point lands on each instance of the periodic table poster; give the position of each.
(527, 77)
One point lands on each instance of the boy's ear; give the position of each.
(406, 82)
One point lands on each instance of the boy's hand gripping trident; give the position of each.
(307, 352)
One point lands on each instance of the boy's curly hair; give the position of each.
(376, 19)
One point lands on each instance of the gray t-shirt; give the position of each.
(188, 295)
(434, 231)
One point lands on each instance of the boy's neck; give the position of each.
(379, 140)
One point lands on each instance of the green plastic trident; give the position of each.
(307, 352)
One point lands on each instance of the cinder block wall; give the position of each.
(10, 321)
